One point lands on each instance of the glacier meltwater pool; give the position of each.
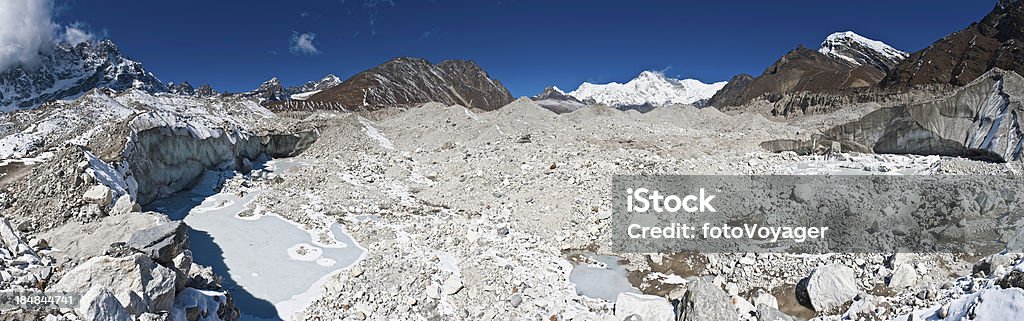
(272, 267)
(602, 278)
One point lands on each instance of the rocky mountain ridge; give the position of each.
(66, 70)
(997, 41)
(186, 89)
(408, 81)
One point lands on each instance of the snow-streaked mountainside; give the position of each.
(67, 71)
(857, 50)
(649, 88)
(406, 81)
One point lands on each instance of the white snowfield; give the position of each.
(860, 44)
(650, 87)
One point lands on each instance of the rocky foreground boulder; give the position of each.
(827, 288)
(152, 276)
(704, 301)
(630, 306)
(162, 242)
(138, 283)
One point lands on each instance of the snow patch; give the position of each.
(375, 134)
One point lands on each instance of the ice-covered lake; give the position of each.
(271, 266)
(601, 277)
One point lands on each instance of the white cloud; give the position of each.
(25, 27)
(76, 34)
(304, 44)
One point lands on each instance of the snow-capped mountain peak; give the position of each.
(650, 87)
(858, 50)
(327, 82)
(67, 70)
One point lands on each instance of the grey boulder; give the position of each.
(162, 242)
(138, 283)
(99, 304)
(827, 288)
(704, 301)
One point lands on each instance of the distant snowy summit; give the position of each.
(272, 90)
(857, 50)
(650, 88)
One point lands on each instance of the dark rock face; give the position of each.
(733, 93)
(65, 71)
(411, 81)
(205, 90)
(161, 242)
(186, 89)
(799, 70)
(183, 88)
(997, 41)
(980, 121)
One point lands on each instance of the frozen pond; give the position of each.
(271, 266)
(602, 278)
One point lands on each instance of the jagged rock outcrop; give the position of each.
(186, 89)
(407, 82)
(66, 71)
(182, 88)
(997, 41)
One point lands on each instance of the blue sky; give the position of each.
(235, 45)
